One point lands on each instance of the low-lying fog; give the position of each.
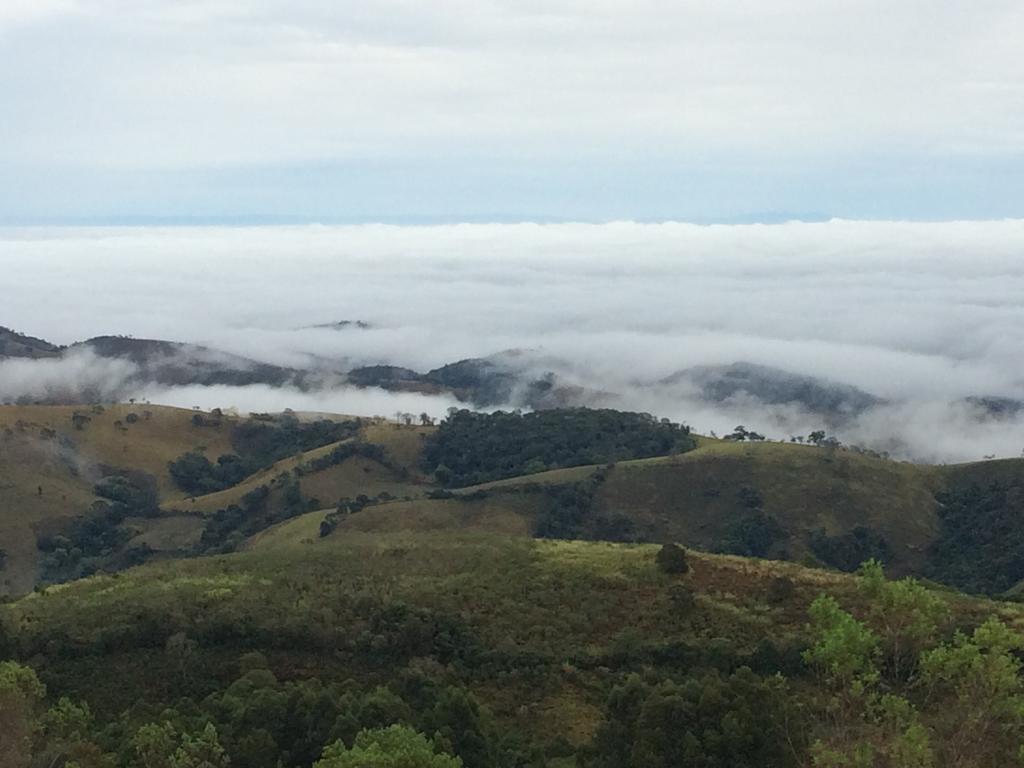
(920, 315)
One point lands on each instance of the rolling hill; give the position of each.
(538, 633)
(529, 621)
(821, 506)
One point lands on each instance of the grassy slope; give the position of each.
(67, 466)
(567, 604)
(506, 515)
(211, 502)
(354, 476)
(403, 444)
(693, 497)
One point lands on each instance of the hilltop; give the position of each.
(786, 402)
(189, 482)
(530, 642)
(497, 582)
(14, 344)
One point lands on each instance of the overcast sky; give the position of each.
(399, 110)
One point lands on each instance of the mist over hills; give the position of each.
(784, 403)
(882, 332)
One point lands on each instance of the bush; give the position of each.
(847, 551)
(671, 559)
(780, 590)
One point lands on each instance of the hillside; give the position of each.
(52, 456)
(539, 633)
(820, 506)
(14, 344)
(329, 584)
(53, 459)
(802, 503)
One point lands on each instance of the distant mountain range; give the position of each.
(510, 379)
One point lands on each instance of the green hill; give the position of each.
(537, 633)
(824, 506)
(328, 585)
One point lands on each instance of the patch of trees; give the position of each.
(347, 507)
(195, 474)
(736, 720)
(230, 526)
(258, 444)
(131, 493)
(260, 722)
(980, 546)
(345, 451)
(741, 434)
(846, 551)
(90, 542)
(470, 447)
(896, 691)
(569, 509)
(755, 533)
(95, 540)
(263, 443)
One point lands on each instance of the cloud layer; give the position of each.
(557, 108)
(923, 315)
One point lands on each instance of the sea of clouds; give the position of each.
(920, 314)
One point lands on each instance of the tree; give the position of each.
(200, 751)
(904, 614)
(708, 721)
(862, 727)
(816, 437)
(154, 745)
(978, 678)
(845, 650)
(20, 696)
(394, 747)
(161, 746)
(739, 434)
(671, 558)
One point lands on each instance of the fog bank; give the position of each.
(922, 315)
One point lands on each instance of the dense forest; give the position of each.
(879, 675)
(471, 447)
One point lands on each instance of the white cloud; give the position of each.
(920, 314)
(262, 399)
(173, 84)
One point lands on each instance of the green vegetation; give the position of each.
(502, 652)
(896, 693)
(980, 547)
(709, 720)
(259, 444)
(847, 551)
(392, 747)
(341, 608)
(471, 448)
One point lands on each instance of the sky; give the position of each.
(298, 111)
(922, 315)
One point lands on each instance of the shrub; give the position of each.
(671, 559)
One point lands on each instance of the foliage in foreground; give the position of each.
(407, 652)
